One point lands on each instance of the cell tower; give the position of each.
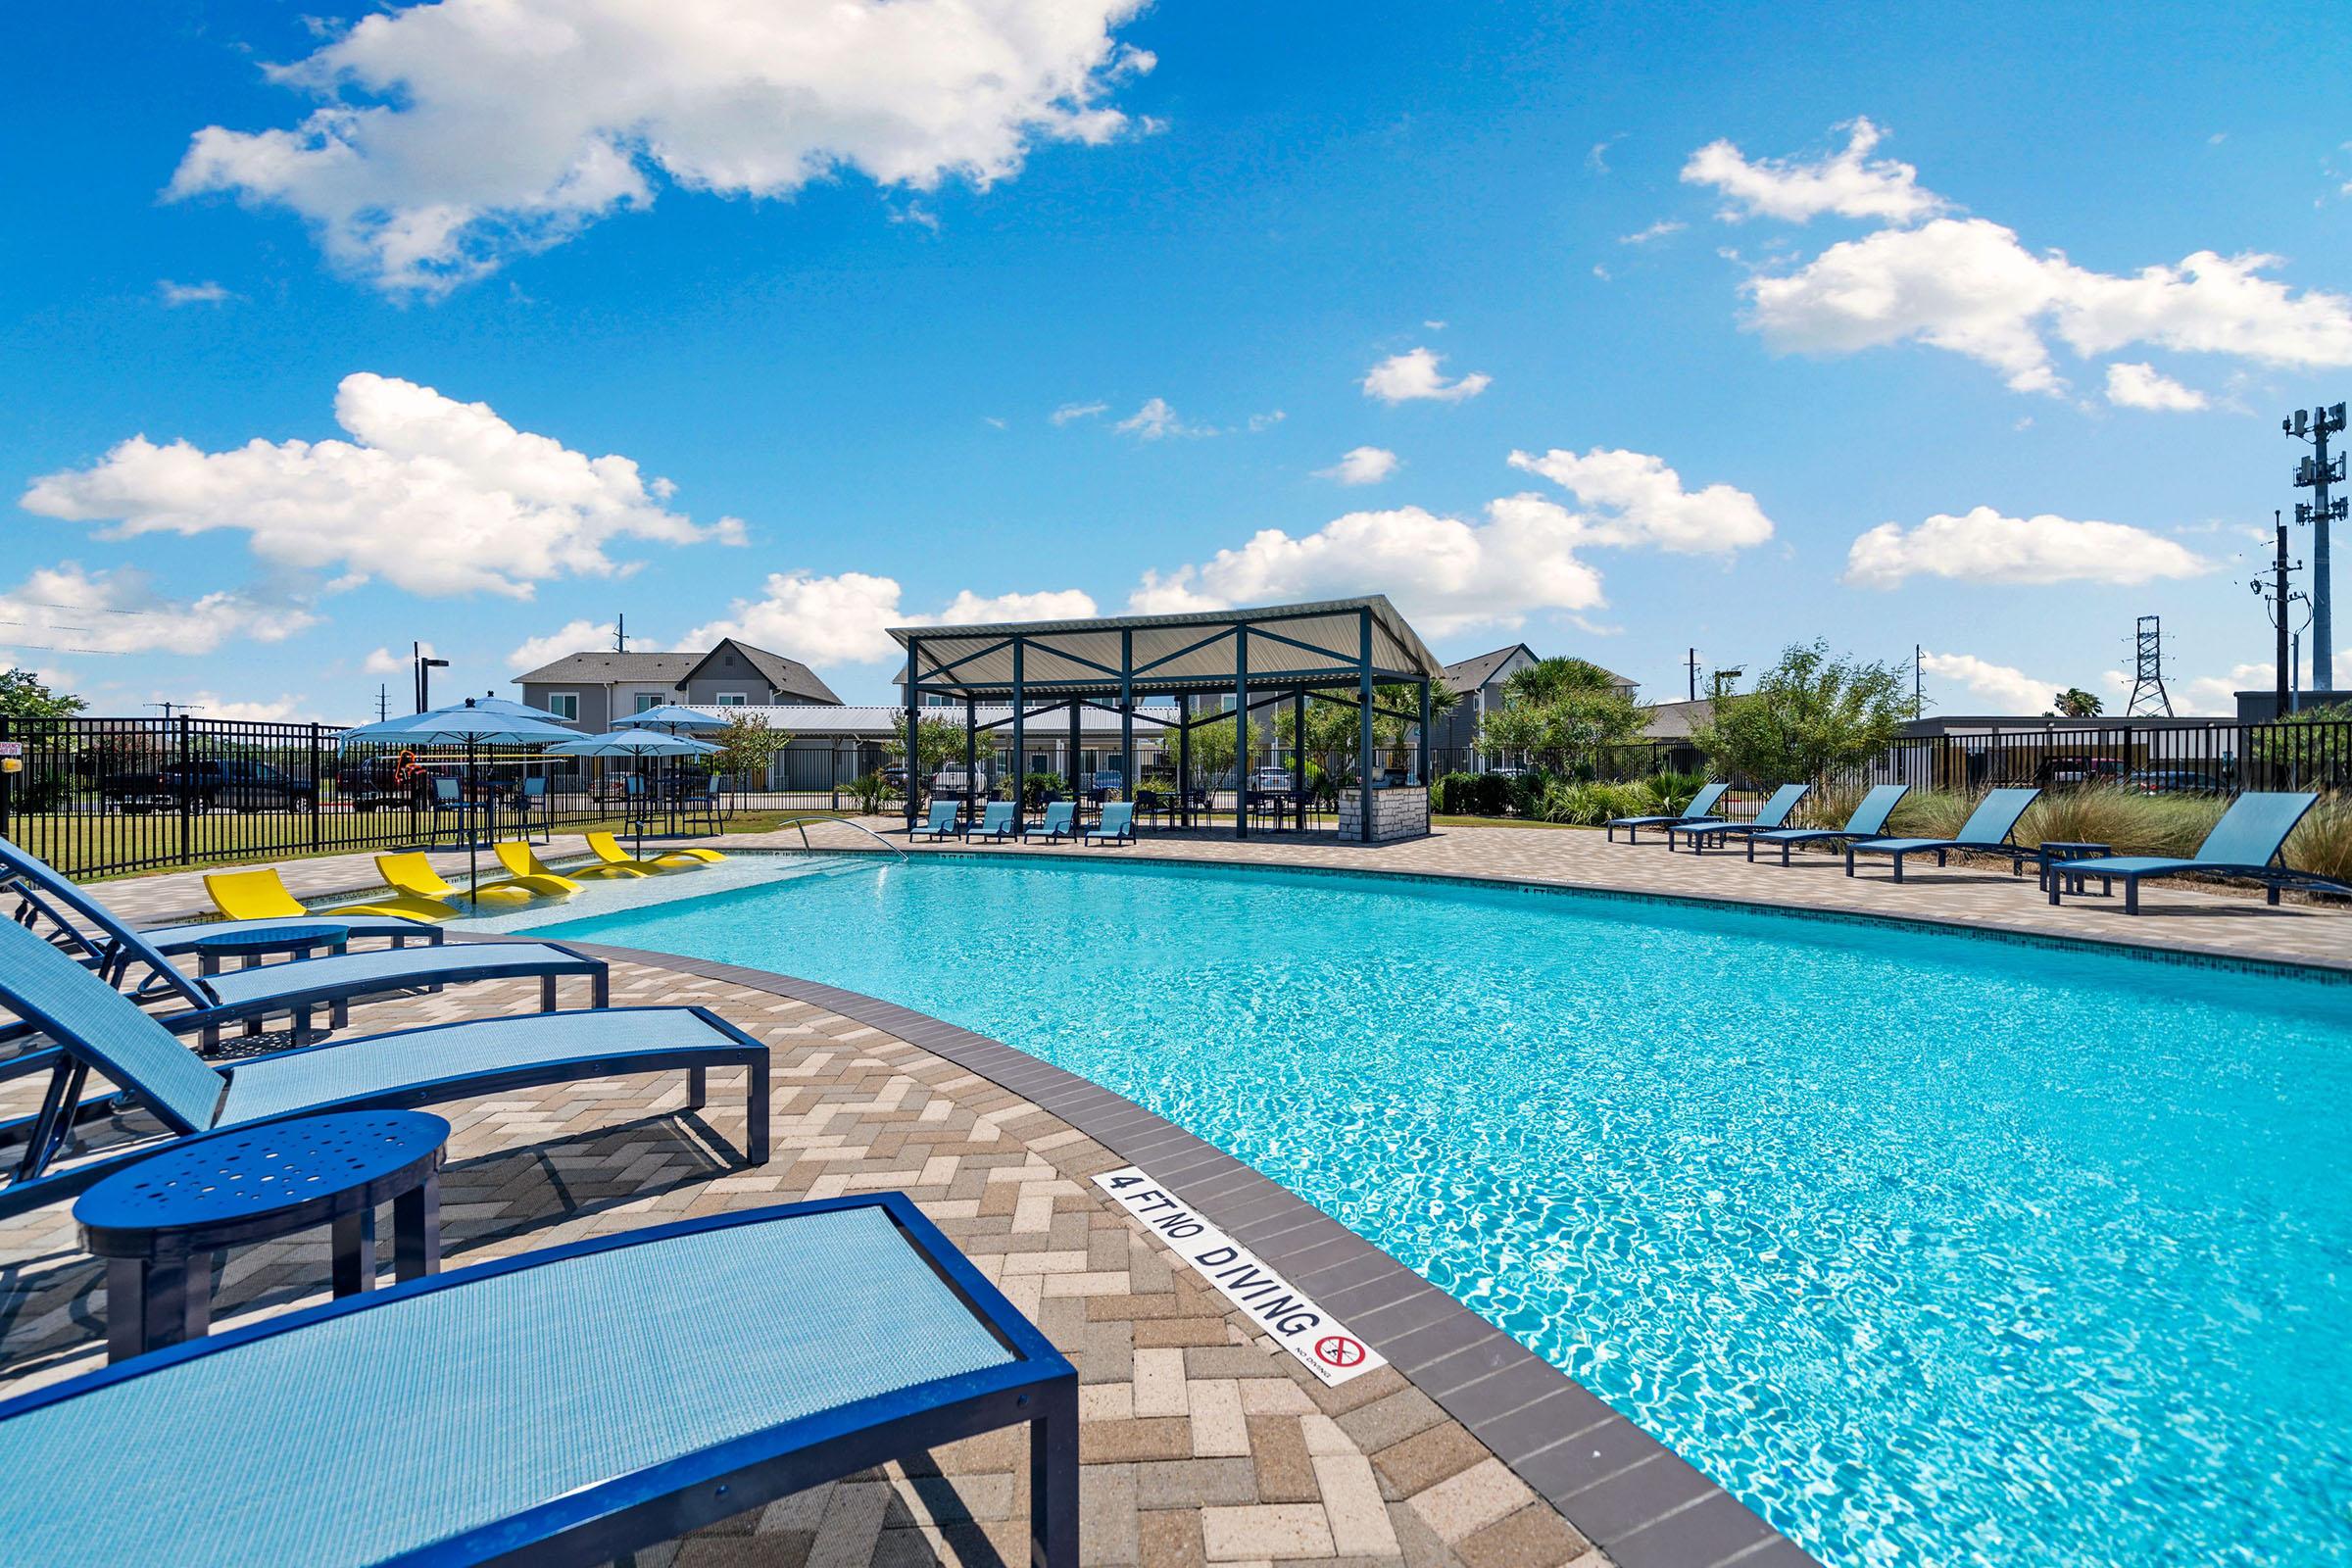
(2316, 473)
(2149, 695)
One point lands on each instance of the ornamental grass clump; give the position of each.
(2322, 842)
(2127, 820)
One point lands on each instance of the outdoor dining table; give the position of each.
(159, 1223)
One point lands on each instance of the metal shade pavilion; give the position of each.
(1259, 655)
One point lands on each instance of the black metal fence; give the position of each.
(100, 796)
(2216, 757)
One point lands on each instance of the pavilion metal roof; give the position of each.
(1316, 644)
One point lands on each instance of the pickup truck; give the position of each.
(234, 782)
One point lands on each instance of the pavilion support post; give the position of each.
(1077, 790)
(1421, 746)
(1184, 757)
(971, 749)
(1129, 774)
(1241, 731)
(1298, 755)
(1363, 726)
(913, 756)
(1020, 743)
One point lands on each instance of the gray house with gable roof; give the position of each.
(588, 691)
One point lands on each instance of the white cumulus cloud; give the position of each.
(1969, 286)
(207, 292)
(1156, 420)
(384, 661)
(70, 609)
(1414, 376)
(1849, 182)
(2143, 386)
(572, 637)
(846, 618)
(1644, 503)
(2216, 694)
(1451, 573)
(450, 136)
(430, 494)
(1361, 465)
(1985, 545)
(2008, 689)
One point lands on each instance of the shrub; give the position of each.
(1451, 795)
(1588, 805)
(2132, 822)
(2322, 842)
(870, 792)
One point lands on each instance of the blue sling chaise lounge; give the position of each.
(95, 1027)
(1700, 809)
(1770, 814)
(1868, 822)
(1986, 832)
(569, 1407)
(2245, 843)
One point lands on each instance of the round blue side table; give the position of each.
(248, 946)
(159, 1223)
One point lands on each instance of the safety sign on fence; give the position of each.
(1284, 1311)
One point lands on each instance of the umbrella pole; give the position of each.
(473, 840)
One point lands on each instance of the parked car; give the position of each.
(893, 774)
(954, 783)
(1270, 781)
(1104, 783)
(237, 783)
(2173, 781)
(2057, 772)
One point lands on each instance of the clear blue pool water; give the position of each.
(1933, 1249)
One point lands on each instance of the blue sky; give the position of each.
(1728, 328)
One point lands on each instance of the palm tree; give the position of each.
(2076, 703)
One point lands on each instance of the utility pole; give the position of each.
(2149, 695)
(383, 701)
(172, 708)
(2316, 473)
(1918, 690)
(2279, 600)
(425, 665)
(1691, 665)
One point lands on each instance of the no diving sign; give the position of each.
(1284, 1311)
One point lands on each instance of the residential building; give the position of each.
(590, 690)
(1479, 683)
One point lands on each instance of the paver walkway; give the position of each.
(1200, 1441)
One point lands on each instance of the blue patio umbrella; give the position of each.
(633, 743)
(671, 717)
(466, 724)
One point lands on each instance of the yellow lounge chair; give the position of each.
(608, 850)
(523, 861)
(414, 875)
(262, 895)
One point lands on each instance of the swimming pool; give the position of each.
(1932, 1249)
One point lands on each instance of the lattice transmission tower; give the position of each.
(2149, 695)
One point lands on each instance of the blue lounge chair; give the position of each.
(1986, 832)
(1116, 827)
(946, 822)
(336, 981)
(2245, 843)
(1059, 822)
(97, 1028)
(1868, 822)
(995, 822)
(1702, 804)
(572, 1406)
(1770, 814)
(45, 893)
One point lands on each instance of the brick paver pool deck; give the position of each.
(1200, 1444)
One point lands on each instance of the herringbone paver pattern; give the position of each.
(1199, 1443)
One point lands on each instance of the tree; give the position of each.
(1561, 712)
(935, 741)
(2075, 702)
(24, 695)
(1334, 728)
(745, 749)
(1808, 715)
